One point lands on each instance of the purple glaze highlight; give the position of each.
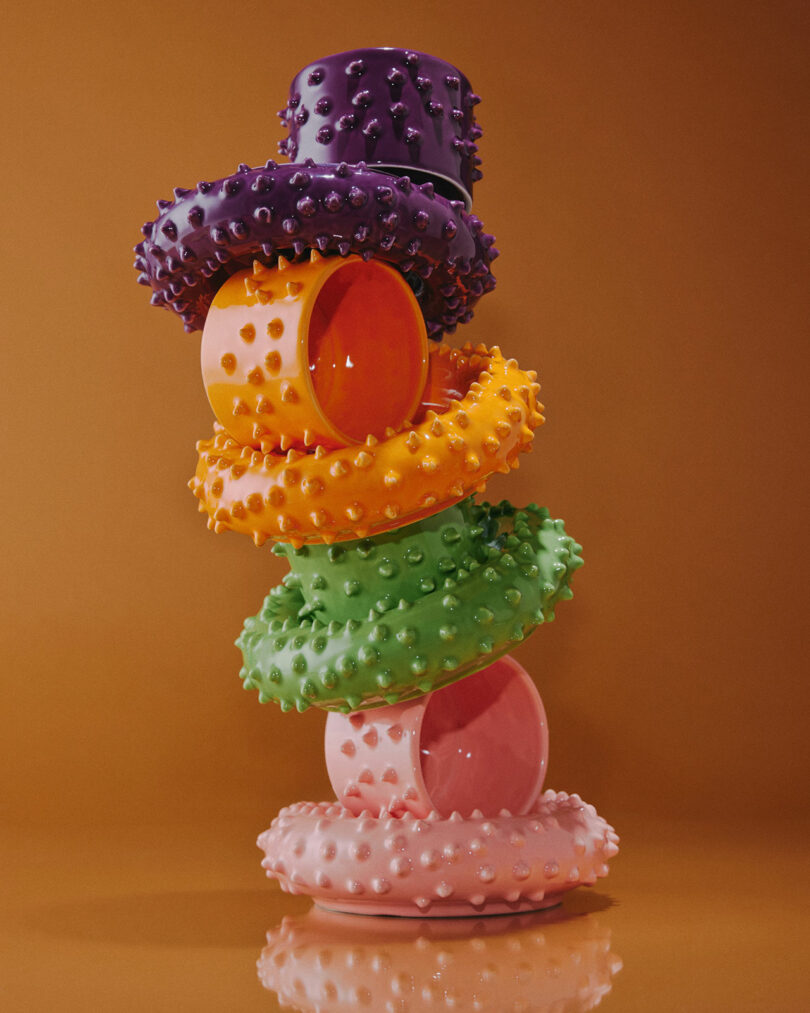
(207, 233)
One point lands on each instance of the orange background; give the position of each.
(645, 173)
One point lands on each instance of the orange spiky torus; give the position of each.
(352, 492)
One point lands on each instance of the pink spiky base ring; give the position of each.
(442, 867)
(423, 824)
(354, 439)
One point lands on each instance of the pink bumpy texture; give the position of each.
(481, 743)
(324, 962)
(434, 866)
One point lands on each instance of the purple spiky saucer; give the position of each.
(210, 232)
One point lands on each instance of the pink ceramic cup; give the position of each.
(480, 744)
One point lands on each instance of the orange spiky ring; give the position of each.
(488, 411)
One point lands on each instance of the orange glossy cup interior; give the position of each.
(365, 352)
(322, 352)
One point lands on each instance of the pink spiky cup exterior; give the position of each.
(478, 744)
(436, 867)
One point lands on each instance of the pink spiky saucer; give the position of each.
(437, 866)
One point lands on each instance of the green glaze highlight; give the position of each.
(510, 571)
(347, 579)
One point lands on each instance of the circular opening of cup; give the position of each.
(367, 349)
(484, 742)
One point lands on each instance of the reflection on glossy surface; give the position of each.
(169, 917)
(323, 962)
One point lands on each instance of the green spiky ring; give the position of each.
(381, 620)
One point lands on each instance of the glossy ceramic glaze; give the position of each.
(167, 915)
(398, 109)
(337, 495)
(291, 355)
(326, 962)
(205, 233)
(463, 618)
(479, 744)
(362, 384)
(656, 273)
(438, 867)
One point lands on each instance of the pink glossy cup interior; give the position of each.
(484, 743)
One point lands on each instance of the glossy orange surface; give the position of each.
(645, 173)
(171, 917)
(351, 492)
(317, 353)
(367, 350)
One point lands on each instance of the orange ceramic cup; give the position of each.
(323, 352)
(327, 496)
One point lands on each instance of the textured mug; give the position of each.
(478, 744)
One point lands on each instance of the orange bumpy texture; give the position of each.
(353, 492)
(273, 384)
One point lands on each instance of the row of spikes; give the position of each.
(469, 357)
(299, 180)
(270, 458)
(181, 302)
(356, 69)
(398, 110)
(310, 636)
(310, 631)
(439, 581)
(178, 264)
(518, 552)
(445, 577)
(220, 518)
(374, 129)
(367, 548)
(479, 358)
(285, 836)
(480, 514)
(539, 819)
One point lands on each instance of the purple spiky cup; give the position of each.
(382, 143)
(394, 109)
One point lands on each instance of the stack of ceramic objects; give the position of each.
(353, 437)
